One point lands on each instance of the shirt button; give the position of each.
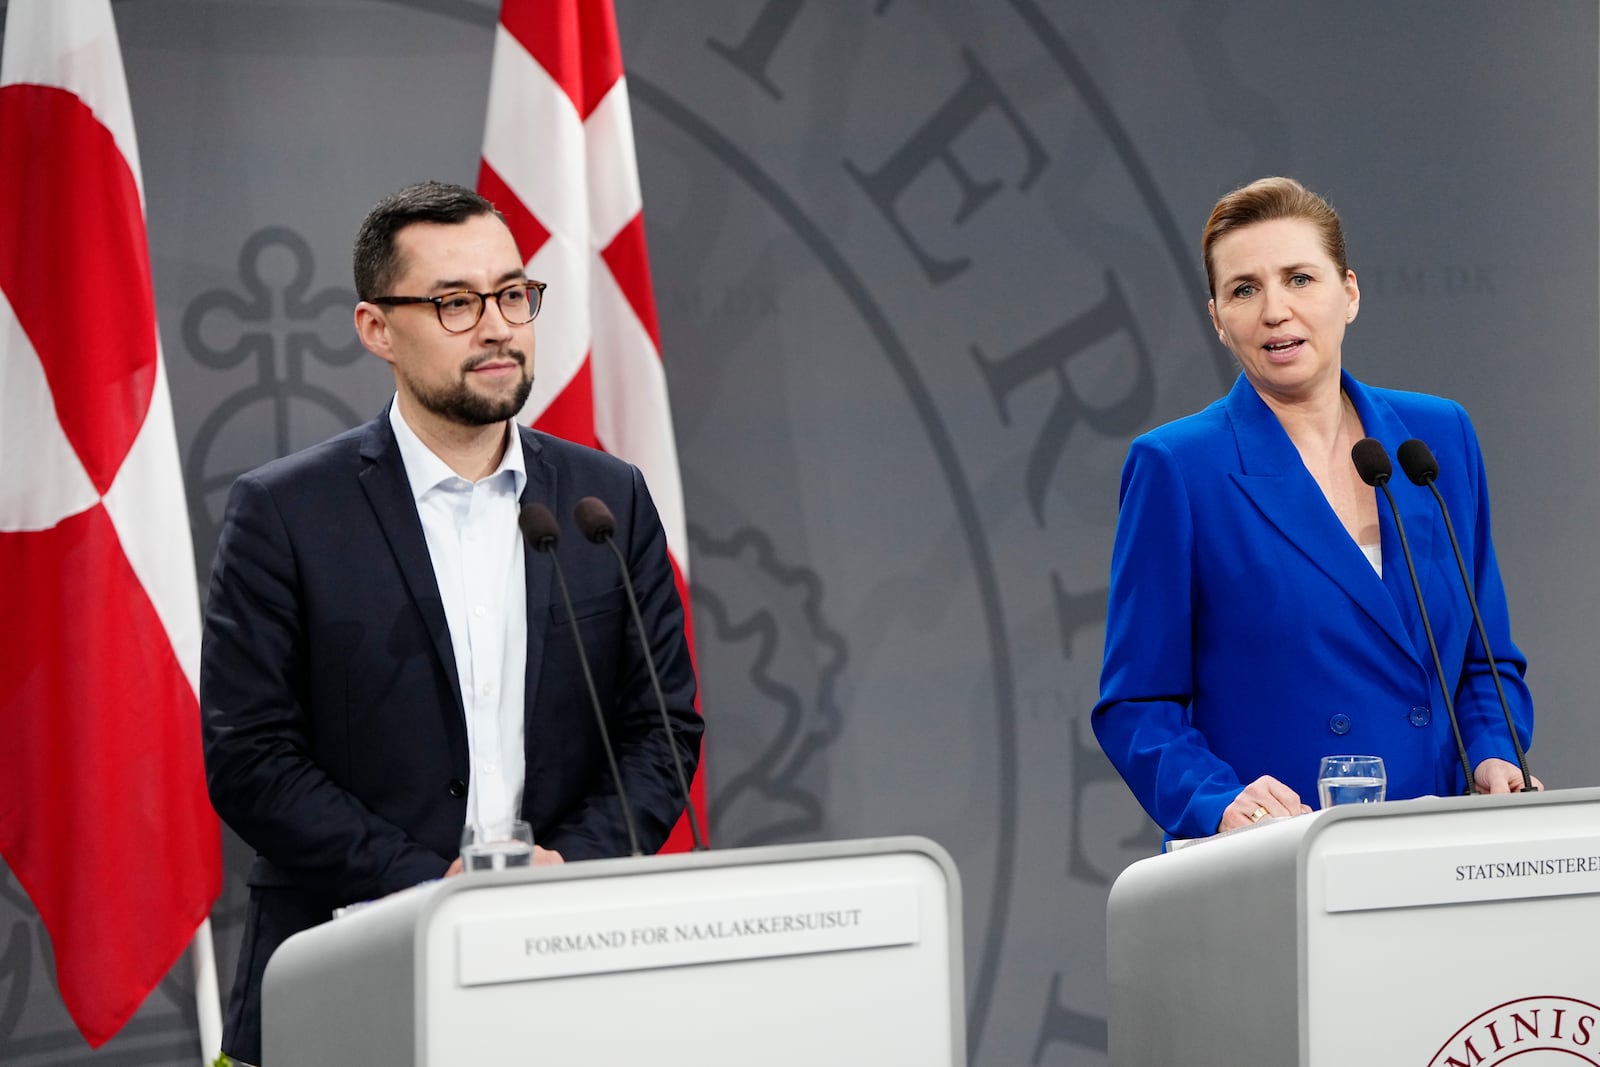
(488, 769)
(486, 689)
(480, 611)
(1339, 724)
(1420, 716)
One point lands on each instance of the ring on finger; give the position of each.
(1257, 815)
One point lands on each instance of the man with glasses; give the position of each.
(384, 660)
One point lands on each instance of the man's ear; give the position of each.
(372, 327)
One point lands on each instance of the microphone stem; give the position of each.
(594, 700)
(661, 700)
(1427, 628)
(1483, 636)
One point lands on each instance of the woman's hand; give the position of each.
(1266, 797)
(1501, 776)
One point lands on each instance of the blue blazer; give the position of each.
(1247, 634)
(335, 737)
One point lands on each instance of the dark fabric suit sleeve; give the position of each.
(258, 731)
(1142, 720)
(644, 759)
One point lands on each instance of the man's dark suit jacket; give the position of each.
(335, 738)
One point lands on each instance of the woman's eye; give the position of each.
(1242, 292)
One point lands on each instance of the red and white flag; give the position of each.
(558, 162)
(104, 817)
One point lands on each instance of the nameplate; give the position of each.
(518, 948)
(1365, 881)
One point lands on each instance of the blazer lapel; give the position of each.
(1277, 483)
(383, 479)
(540, 576)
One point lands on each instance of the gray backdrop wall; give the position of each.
(923, 271)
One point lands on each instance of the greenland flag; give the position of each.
(558, 162)
(104, 817)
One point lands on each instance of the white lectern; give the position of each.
(1441, 932)
(841, 953)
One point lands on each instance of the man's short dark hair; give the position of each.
(377, 262)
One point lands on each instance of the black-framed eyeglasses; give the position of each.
(460, 311)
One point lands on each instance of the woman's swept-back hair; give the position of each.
(1264, 200)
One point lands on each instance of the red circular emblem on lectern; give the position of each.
(1549, 1030)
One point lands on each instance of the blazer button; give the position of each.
(456, 788)
(1339, 724)
(1420, 716)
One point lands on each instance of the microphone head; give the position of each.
(539, 527)
(1416, 459)
(1372, 461)
(594, 519)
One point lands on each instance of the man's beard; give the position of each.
(460, 405)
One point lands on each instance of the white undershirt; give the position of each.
(1374, 554)
(476, 549)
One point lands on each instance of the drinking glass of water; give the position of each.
(1351, 780)
(496, 846)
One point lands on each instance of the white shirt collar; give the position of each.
(426, 471)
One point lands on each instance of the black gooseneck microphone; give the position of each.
(1372, 463)
(596, 523)
(1416, 459)
(542, 532)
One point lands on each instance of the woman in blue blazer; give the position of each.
(1260, 614)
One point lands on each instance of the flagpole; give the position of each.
(207, 1005)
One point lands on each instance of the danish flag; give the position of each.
(558, 162)
(104, 817)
